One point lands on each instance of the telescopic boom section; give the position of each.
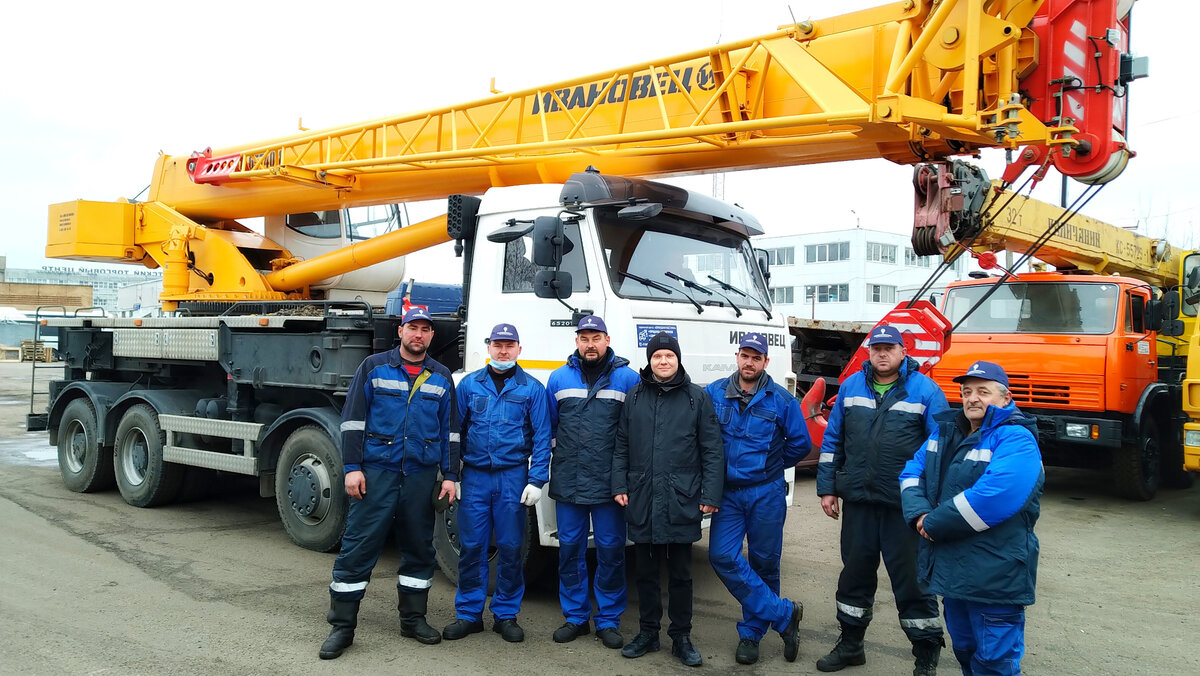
(884, 82)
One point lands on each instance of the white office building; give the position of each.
(848, 275)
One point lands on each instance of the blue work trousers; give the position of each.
(393, 501)
(491, 505)
(988, 639)
(608, 526)
(756, 515)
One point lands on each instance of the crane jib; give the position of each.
(635, 88)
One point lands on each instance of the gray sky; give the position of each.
(91, 92)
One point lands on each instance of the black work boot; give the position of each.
(847, 653)
(686, 652)
(343, 615)
(747, 651)
(509, 630)
(412, 607)
(570, 631)
(927, 653)
(461, 628)
(644, 642)
(791, 635)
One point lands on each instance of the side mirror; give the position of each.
(1154, 314)
(549, 242)
(512, 231)
(640, 212)
(764, 264)
(552, 284)
(1167, 322)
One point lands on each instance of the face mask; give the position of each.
(503, 366)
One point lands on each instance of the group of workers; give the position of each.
(948, 498)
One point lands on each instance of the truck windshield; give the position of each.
(1050, 307)
(693, 250)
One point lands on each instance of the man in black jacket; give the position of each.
(668, 470)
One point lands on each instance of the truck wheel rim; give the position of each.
(135, 457)
(309, 490)
(76, 447)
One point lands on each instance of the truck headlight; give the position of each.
(1078, 430)
(1191, 438)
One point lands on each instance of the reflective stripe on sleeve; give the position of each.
(825, 457)
(979, 455)
(910, 407)
(433, 389)
(865, 402)
(852, 611)
(413, 582)
(389, 384)
(909, 483)
(570, 393)
(968, 513)
(352, 425)
(454, 436)
(931, 447)
(347, 586)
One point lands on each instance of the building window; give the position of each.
(783, 295)
(881, 253)
(782, 256)
(913, 260)
(828, 293)
(879, 293)
(825, 253)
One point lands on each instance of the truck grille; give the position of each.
(1068, 391)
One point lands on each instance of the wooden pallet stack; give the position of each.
(32, 350)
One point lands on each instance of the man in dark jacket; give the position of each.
(881, 417)
(972, 492)
(585, 397)
(505, 432)
(395, 436)
(668, 467)
(764, 432)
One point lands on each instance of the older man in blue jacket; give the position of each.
(881, 417)
(764, 433)
(973, 492)
(505, 433)
(585, 397)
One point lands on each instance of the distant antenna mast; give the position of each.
(718, 189)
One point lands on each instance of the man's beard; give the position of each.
(414, 350)
(752, 379)
(593, 360)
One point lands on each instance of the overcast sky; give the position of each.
(91, 92)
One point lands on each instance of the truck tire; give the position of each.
(309, 490)
(84, 464)
(1136, 466)
(446, 545)
(143, 477)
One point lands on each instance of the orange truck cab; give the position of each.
(1081, 355)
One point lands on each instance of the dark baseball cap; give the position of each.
(885, 335)
(985, 370)
(754, 341)
(504, 332)
(416, 312)
(592, 323)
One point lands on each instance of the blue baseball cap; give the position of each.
(985, 370)
(885, 335)
(416, 312)
(504, 332)
(754, 341)
(592, 323)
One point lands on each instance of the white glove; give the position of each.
(531, 495)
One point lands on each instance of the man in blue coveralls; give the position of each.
(585, 397)
(504, 422)
(973, 492)
(764, 433)
(395, 435)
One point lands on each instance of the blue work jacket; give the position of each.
(764, 439)
(500, 430)
(394, 423)
(584, 422)
(980, 492)
(870, 437)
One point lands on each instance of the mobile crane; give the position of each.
(240, 380)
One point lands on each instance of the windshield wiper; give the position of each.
(648, 282)
(743, 294)
(686, 283)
